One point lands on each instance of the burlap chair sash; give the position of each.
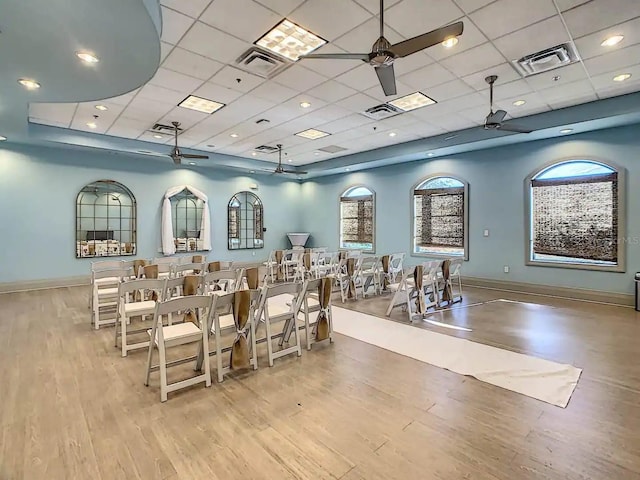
(418, 273)
(351, 268)
(279, 273)
(137, 265)
(190, 286)
(240, 355)
(447, 294)
(324, 298)
(151, 271)
(385, 270)
(306, 261)
(252, 278)
(213, 267)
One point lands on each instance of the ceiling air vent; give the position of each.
(261, 62)
(266, 149)
(381, 111)
(546, 60)
(332, 149)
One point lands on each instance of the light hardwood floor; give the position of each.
(72, 408)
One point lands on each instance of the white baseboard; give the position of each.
(28, 285)
(596, 296)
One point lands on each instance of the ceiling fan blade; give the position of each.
(294, 172)
(189, 155)
(339, 56)
(426, 40)
(496, 118)
(508, 127)
(387, 79)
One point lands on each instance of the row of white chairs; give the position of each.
(431, 284)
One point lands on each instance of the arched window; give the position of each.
(574, 216)
(245, 217)
(357, 219)
(105, 220)
(440, 217)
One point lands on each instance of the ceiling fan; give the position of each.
(176, 154)
(280, 168)
(494, 120)
(383, 53)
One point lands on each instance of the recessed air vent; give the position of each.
(266, 149)
(332, 149)
(261, 62)
(381, 111)
(546, 60)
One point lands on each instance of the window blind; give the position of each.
(234, 222)
(576, 217)
(439, 217)
(357, 219)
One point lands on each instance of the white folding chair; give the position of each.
(130, 307)
(104, 295)
(220, 282)
(290, 263)
(396, 261)
(346, 277)
(243, 349)
(188, 332)
(409, 293)
(269, 314)
(272, 266)
(446, 285)
(106, 281)
(182, 269)
(368, 275)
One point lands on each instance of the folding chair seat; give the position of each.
(277, 311)
(189, 332)
(243, 351)
(104, 295)
(138, 298)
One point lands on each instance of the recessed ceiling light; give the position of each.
(611, 41)
(92, 125)
(289, 160)
(312, 134)
(234, 135)
(316, 153)
(192, 163)
(566, 130)
(158, 136)
(347, 169)
(519, 103)
(622, 77)
(253, 171)
(29, 84)
(305, 104)
(392, 134)
(87, 57)
(412, 101)
(254, 154)
(3, 138)
(450, 42)
(200, 104)
(102, 108)
(430, 154)
(290, 40)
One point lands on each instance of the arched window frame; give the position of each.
(436, 252)
(236, 224)
(344, 197)
(123, 247)
(620, 229)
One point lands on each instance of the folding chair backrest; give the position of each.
(181, 304)
(167, 260)
(455, 267)
(191, 268)
(281, 289)
(354, 253)
(369, 263)
(395, 262)
(214, 277)
(142, 284)
(430, 269)
(108, 273)
(173, 287)
(106, 265)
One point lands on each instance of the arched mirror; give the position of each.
(245, 222)
(105, 220)
(186, 218)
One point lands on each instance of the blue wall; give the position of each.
(38, 188)
(496, 202)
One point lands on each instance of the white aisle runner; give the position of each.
(535, 377)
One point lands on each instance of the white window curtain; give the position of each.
(168, 241)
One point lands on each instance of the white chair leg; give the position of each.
(163, 372)
(254, 345)
(267, 325)
(205, 352)
(218, 350)
(149, 359)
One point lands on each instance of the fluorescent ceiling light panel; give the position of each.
(290, 40)
(412, 101)
(312, 134)
(200, 104)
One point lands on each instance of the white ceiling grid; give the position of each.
(202, 38)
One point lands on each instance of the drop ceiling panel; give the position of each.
(127, 127)
(573, 100)
(358, 102)
(437, 14)
(604, 81)
(274, 92)
(361, 38)
(192, 8)
(192, 64)
(56, 114)
(213, 43)
(229, 76)
(427, 77)
(449, 90)
(412, 63)
(472, 5)
(160, 94)
(300, 78)
(217, 93)
(471, 37)
(165, 49)
(346, 123)
(293, 105)
(145, 109)
(330, 68)
(505, 16)
(567, 91)
(360, 78)
(599, 14)
(256, 20)
(282, 7)
(187, 118)
(511, 89)
(616, 60)
(590, 46)
(321, 17)
(175, 81)
(534, 38)
(565, 5)
(568, 74)
(174, 25)
(331, 91)
(377, 92)
(473, 60)
(505, 72)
